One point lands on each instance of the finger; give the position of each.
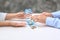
(20, 13)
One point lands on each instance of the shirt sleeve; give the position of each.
(56, 14)
(2, 16)
(53, 22)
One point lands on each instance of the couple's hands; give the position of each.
(38, 18)
(42, 17)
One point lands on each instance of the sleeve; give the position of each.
(56, 14)
(53, 22)
(2, 16)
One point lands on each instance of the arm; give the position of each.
(14, 24)
(5, 24)
(56, 14)
(19, 15)
(7, 16)
(55, 22)
(53, 14)
(10, 16)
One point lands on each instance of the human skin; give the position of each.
(42, 17)
(9, 16)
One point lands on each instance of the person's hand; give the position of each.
(39, 18)
(16, 24)
(20, 15)
(47, 14)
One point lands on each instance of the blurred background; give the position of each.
(35, 5)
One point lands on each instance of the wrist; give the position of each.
(5, 23)
(44, 20)
(8, 23)
(10, 16)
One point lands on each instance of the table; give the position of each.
(26, 33)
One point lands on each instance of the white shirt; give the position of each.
(2, 16)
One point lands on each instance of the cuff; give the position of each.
(49, 21)
(2, 16)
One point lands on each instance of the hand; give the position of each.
(20, 15)
(15, 15)
(47, 14)
(16, 24)
(39, 18)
